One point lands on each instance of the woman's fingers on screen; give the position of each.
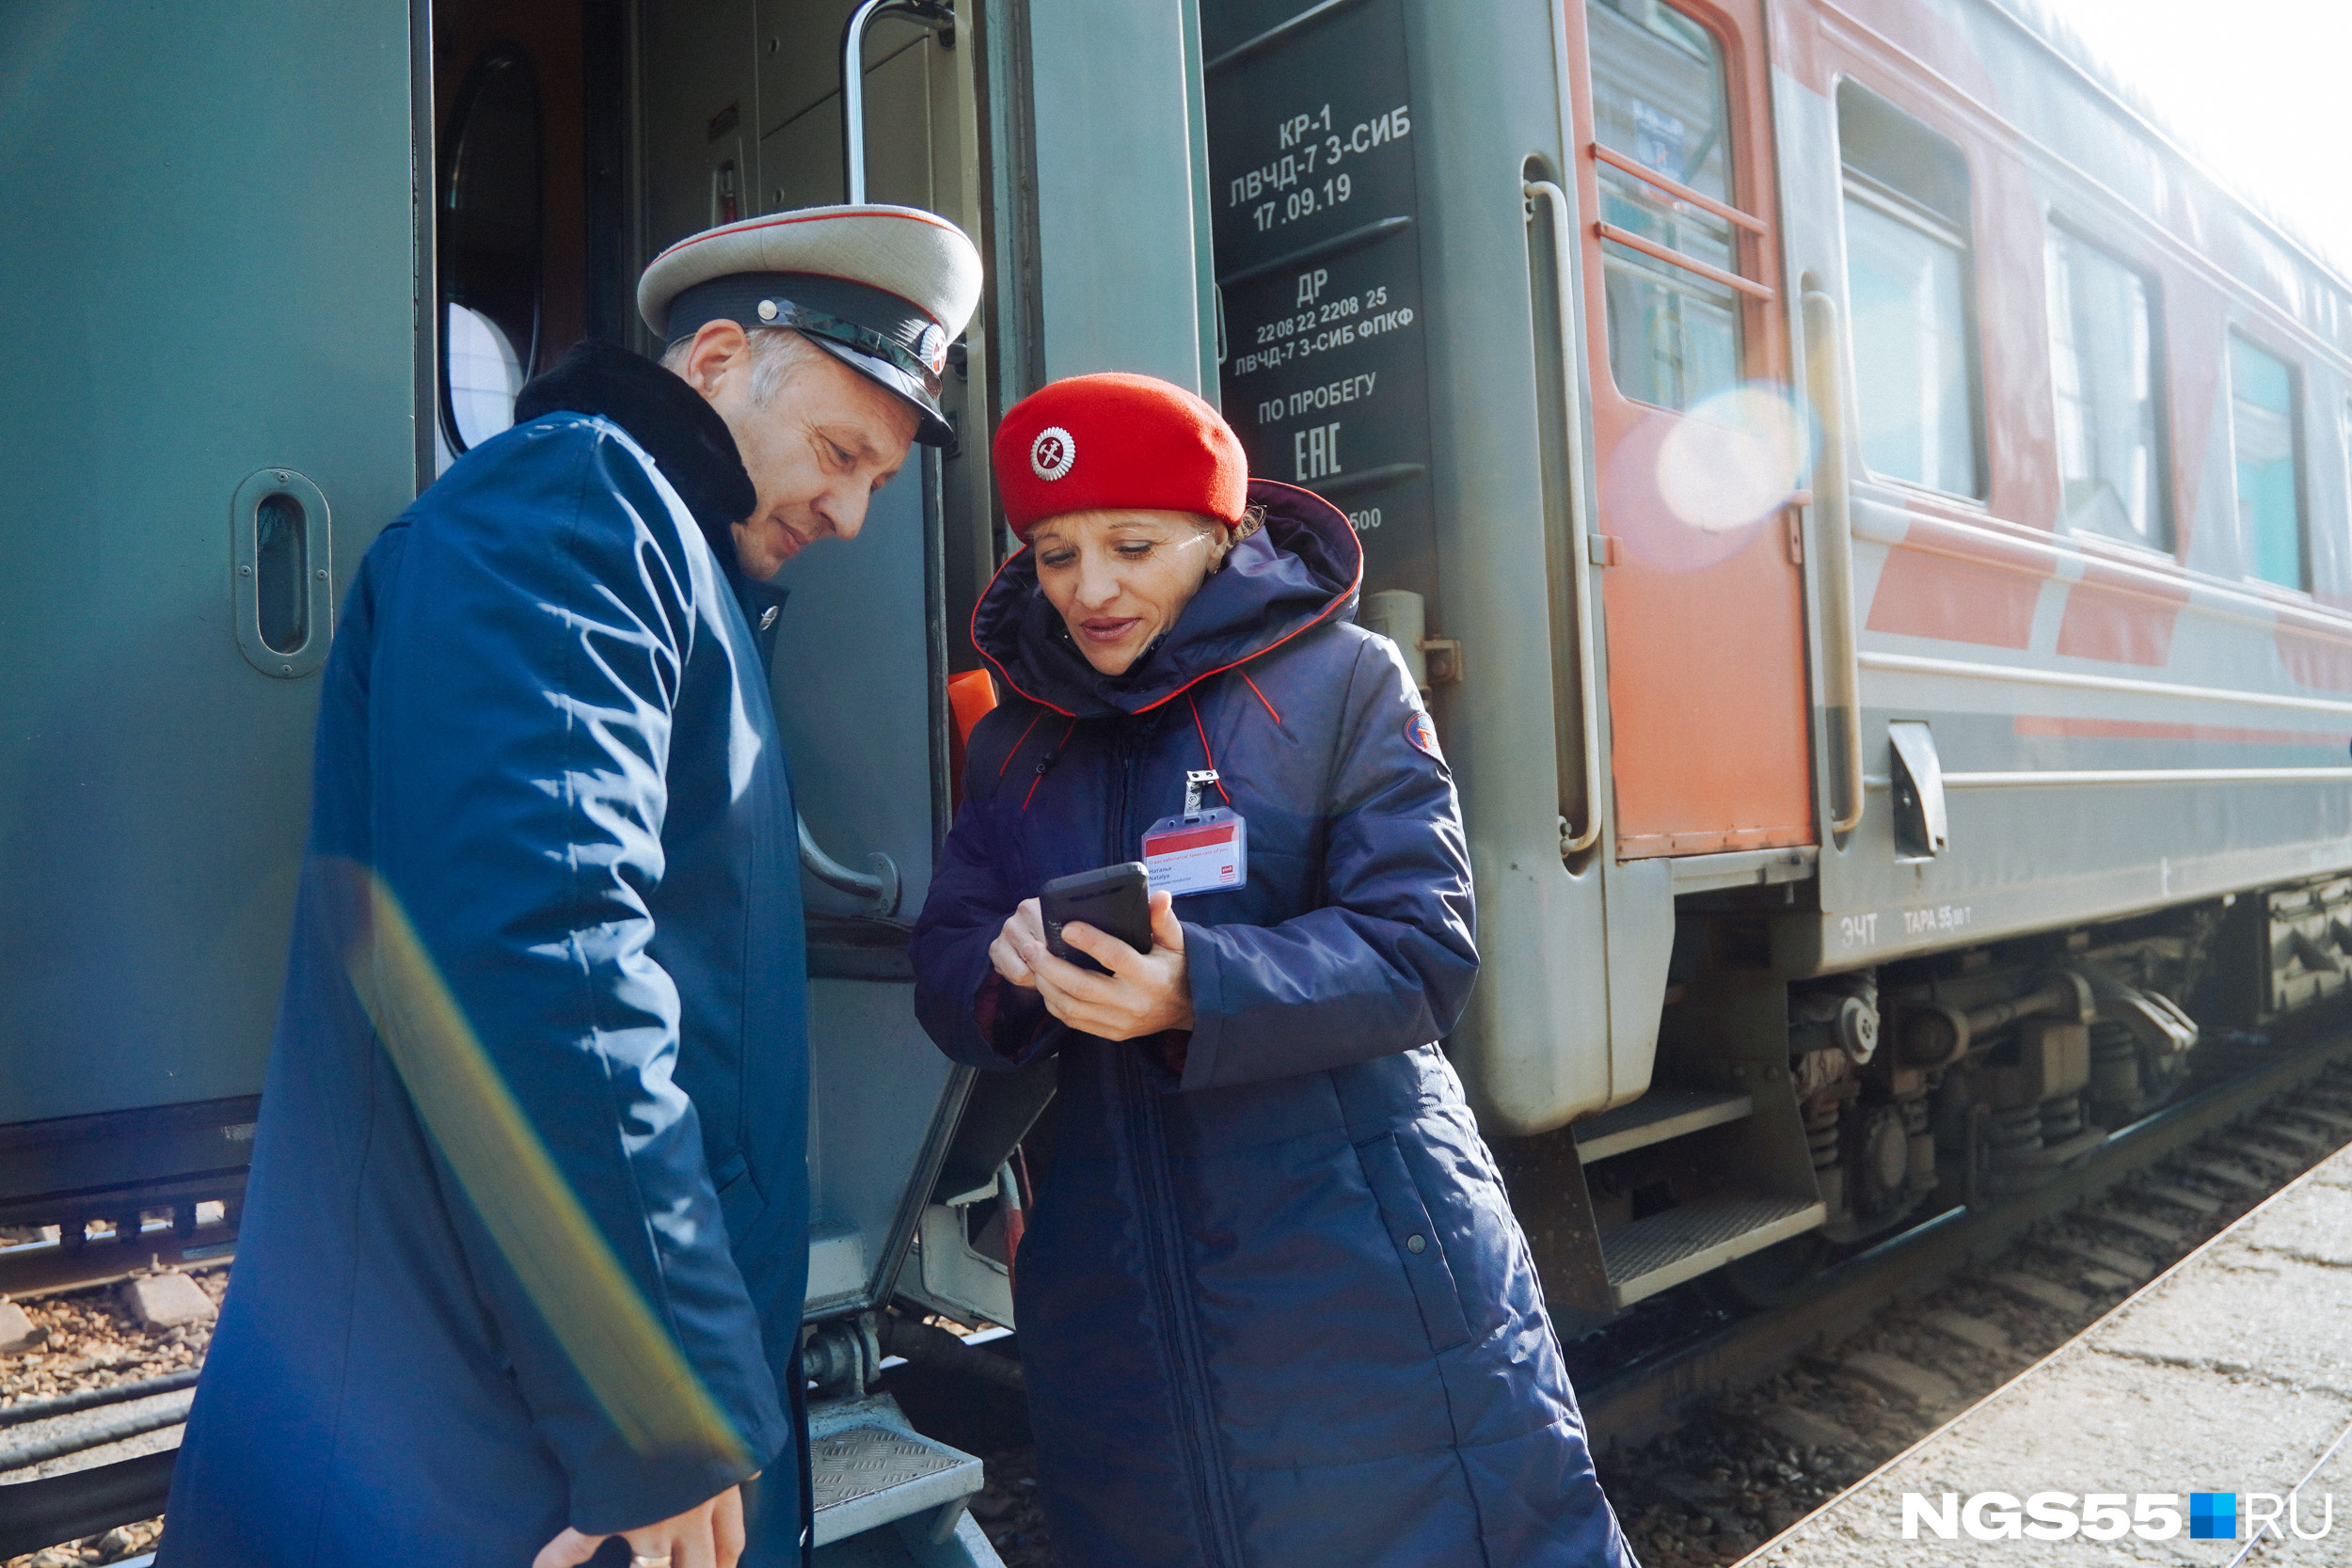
(1028, 919)
(1103, 947)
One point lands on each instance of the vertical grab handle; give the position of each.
(1579, 533)
(934, 14)
(1833, 536)
(282, 564)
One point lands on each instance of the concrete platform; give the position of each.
(2231, 1375)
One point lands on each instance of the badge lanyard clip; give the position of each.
(1195, 780)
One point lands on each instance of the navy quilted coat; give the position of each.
(1275, 1308)
(525, 1238)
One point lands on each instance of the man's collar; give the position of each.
(676, 424)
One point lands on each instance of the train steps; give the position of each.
(1663, 1250)
(887, 1496)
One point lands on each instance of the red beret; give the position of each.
(1116, 440)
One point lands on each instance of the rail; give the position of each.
(1833, 537)
(881, 885)
(1580, 538)
(1672, 256)
(1677, 189)
(939, 18)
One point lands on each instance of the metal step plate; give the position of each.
(1660, 1115)
(870, 1467)
(1652, 1254)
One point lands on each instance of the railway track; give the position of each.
(1712, 1446)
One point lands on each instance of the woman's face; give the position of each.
(1119, 579)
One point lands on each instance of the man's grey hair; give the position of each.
(777, 352)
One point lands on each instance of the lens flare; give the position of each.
(1732, 458)
(618, 1344)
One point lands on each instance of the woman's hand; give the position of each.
(709, 1535)
(1023, 929)
(1143, 993)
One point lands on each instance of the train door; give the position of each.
(985, 115)
(740, 114)
(210, 402)
(1697, 448)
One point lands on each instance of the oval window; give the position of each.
(482, 373)
(487, 244)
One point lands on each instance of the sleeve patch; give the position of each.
(1424, 734)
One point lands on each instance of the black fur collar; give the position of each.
(674, 423)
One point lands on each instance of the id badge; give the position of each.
(1197, 850)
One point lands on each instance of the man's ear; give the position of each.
(720, 347)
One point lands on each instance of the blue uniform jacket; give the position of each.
(524, 1242)
(1274, 1305)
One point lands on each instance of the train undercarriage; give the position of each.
(1796, 1120)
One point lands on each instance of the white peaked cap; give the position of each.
(883, 290)
(918, 255)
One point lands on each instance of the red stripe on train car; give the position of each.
(1960, 584)
(2122, 614)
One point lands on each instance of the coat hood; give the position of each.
(1302, 569)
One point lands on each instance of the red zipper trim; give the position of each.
(1270, 707)
(1203, 732)
(1034, 720)
(1047, 760)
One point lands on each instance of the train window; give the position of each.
(1658, 98)
(2103, 354)
(488, 244)
(2266, 449)
(1907, 280)
(483, 373)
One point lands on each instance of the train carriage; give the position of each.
(1870, 515)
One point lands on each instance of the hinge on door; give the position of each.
(1796, 536)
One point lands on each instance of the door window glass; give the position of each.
(1658, 98)
(484, 373)
(2102, 362)
(1907, 280)
(489, 246)
(2263, 441)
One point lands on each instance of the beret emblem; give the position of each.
(1053, 454)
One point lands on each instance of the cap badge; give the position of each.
(1053, 454)
(934, 347)
(766, 309)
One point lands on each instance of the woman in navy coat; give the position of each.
(1274, 1305)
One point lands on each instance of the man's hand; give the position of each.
(1143, 993)
(1023, 929)
(709, 1535)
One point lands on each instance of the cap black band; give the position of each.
(893, 342)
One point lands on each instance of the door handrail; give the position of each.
(1677, 189)
(1579, 535)
(1668, 254)
(882, 885)
(1833, 535)
(934, 14)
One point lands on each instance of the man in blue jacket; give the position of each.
(524, 1245)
